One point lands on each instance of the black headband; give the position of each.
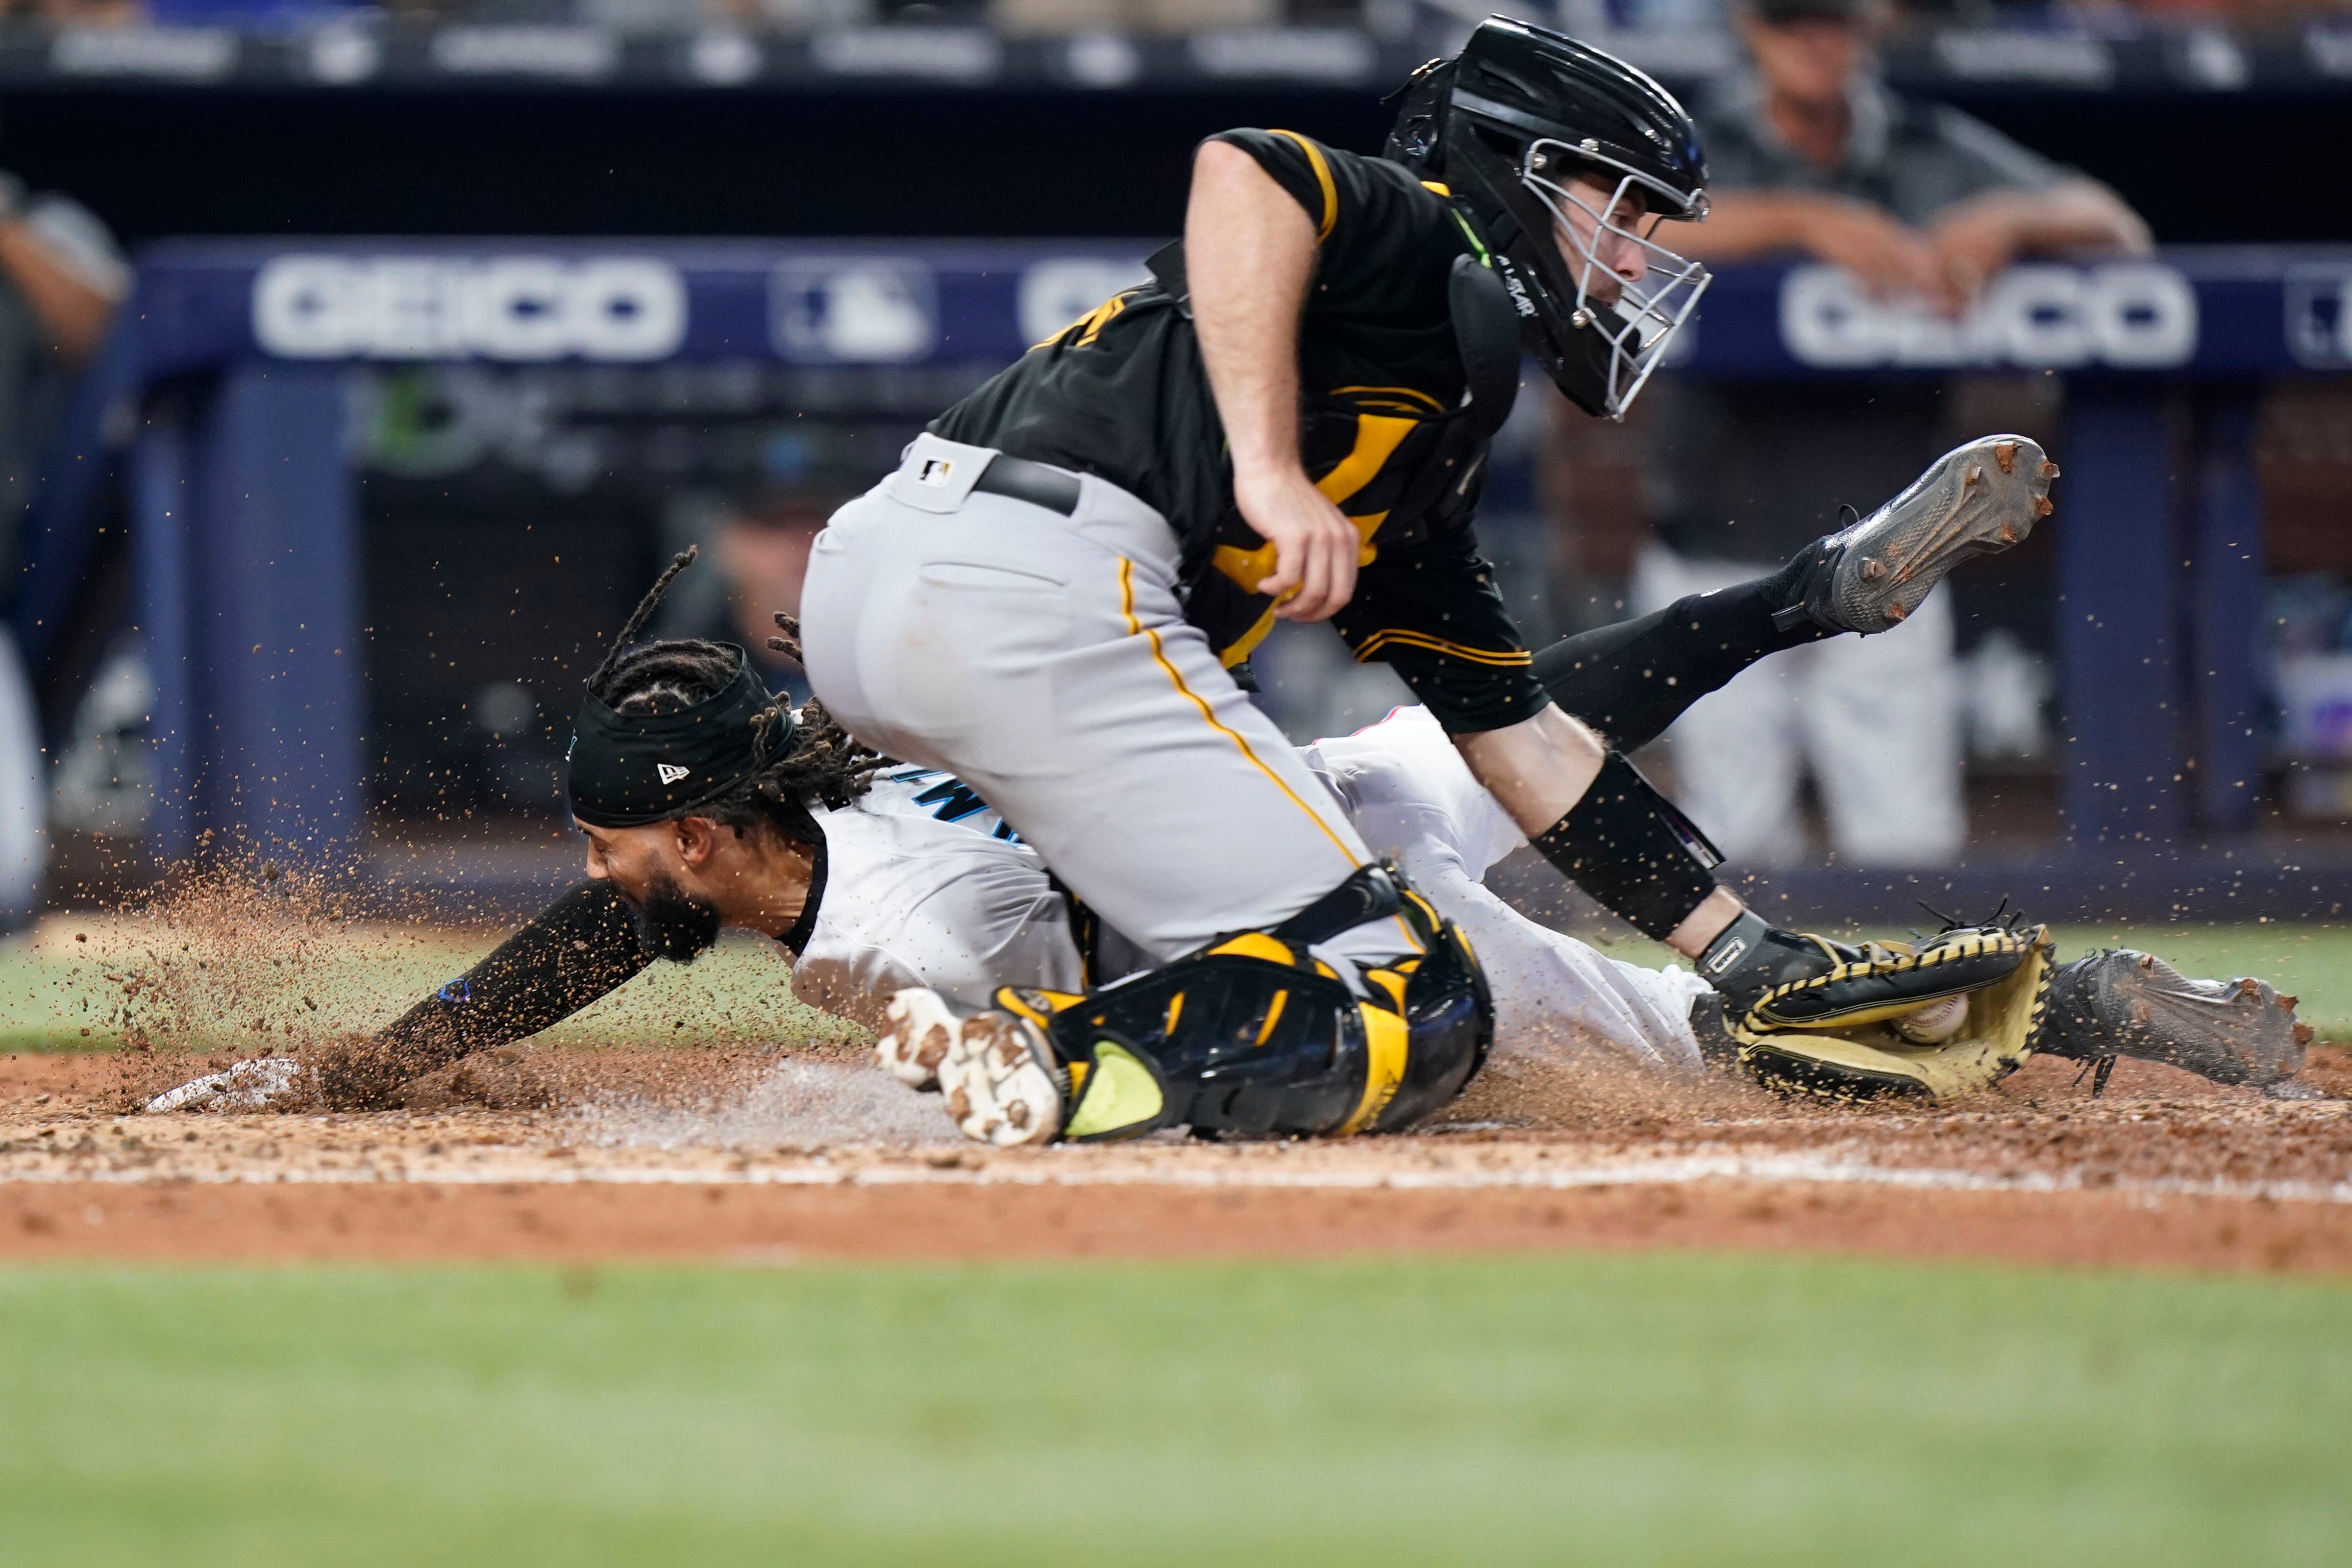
(631, 769)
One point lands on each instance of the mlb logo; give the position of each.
(2319, 316)
(670, 772)
(936, 473)
(879, 309)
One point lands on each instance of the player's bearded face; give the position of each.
(671, 922)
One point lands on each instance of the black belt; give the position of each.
(1039, 484)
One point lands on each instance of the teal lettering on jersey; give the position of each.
(951, 799)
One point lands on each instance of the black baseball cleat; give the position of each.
(2125, 1002)
(1975, 499)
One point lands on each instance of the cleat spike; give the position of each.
(1958, 507)
(2289, 1003)
(2048, 470)
(1897, 611)
(2249, 987)
(2304, 1033)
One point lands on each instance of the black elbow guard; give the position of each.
(1633, 850)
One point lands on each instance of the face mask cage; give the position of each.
(1645, 314)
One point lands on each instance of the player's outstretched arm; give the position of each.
(1249, 255)
(580, 948)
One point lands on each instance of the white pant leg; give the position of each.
(1553, 994)
(1881, 724)
(1046, 661)
(24, 795)
(1739, 756)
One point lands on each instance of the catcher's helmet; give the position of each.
(1504, 126)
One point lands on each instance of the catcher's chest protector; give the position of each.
(1254, 1034)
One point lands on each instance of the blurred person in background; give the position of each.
(760, 542)
(1810, 154)
(61, 278)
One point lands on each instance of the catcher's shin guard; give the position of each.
(1253, 1034)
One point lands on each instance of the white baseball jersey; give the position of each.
(926, 885)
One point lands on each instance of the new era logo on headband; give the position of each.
(670, 772)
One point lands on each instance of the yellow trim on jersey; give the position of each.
(1433, 186)
(1241, 742)
(1242, 646)
(1378, 435)
(1248, 568)
(1387, 635)
(1403, 392)
(1323, 178)
(1089, 326)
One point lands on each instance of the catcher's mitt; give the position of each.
(1836, 1035)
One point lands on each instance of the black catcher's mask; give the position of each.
(1504, 126)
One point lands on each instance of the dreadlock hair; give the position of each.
(672, 674)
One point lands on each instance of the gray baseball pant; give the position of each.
(1046, 661)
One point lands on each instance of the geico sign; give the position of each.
(507, 307)
(2133, 314)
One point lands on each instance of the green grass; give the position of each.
(1654, 1410)
(739, 992)
(742, 991)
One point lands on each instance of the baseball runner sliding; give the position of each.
(1044, 617)
(910, 880)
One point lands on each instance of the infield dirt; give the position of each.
(619, 1138)
(771, 1155)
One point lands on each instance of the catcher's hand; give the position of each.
(1843, 1034)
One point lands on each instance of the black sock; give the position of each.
(1631, 680)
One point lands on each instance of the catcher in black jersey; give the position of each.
(1049, 597)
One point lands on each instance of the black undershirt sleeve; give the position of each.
(580, 948)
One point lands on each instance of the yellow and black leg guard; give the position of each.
(1253, 1034)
